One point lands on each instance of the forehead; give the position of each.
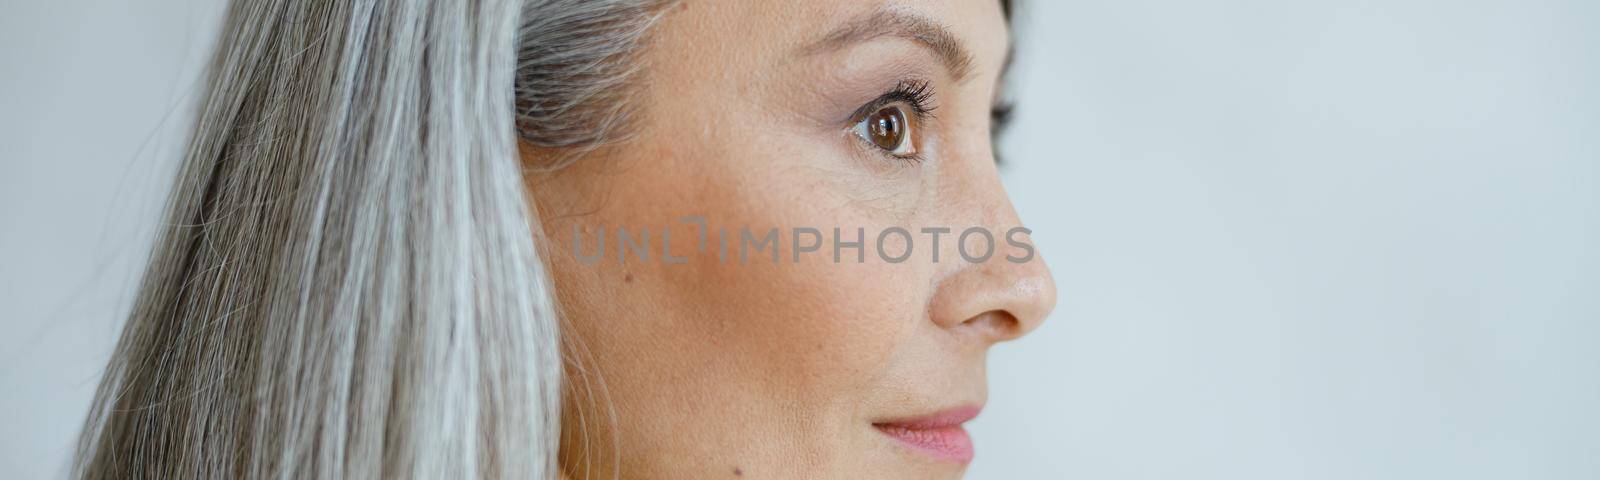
(978, 22)
(785, 26)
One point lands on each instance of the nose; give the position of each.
(998, 300)
(1009, 293)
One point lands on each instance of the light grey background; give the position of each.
(1294, 240)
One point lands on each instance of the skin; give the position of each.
(713, 369)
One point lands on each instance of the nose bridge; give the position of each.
(974, 195)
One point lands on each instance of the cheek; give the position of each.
(814, 329)
(810, 336)
(730, 352)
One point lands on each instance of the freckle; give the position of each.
(628, 277)
(737, 472)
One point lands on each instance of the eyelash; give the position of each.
(917, 94)
(1000, 118)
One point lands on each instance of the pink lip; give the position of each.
(938, 435)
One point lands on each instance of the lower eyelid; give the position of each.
(865, 151)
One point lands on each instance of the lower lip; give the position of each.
(941, 438)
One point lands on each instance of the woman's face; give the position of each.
(797, 116)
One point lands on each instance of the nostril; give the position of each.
(998, 325)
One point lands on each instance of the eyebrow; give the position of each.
(928, 33)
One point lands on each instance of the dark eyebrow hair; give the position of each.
(937, 37)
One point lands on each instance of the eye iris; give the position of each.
(887, 128)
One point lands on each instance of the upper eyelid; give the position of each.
(922, 112)
(922, 108)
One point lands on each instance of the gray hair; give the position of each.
(350, 284)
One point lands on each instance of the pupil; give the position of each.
(886, 129)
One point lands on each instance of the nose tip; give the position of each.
(1031, 297)
(1003, 300)
(1036, 298)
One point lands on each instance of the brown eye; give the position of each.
(888, 128)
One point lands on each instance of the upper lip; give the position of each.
(944, 418)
